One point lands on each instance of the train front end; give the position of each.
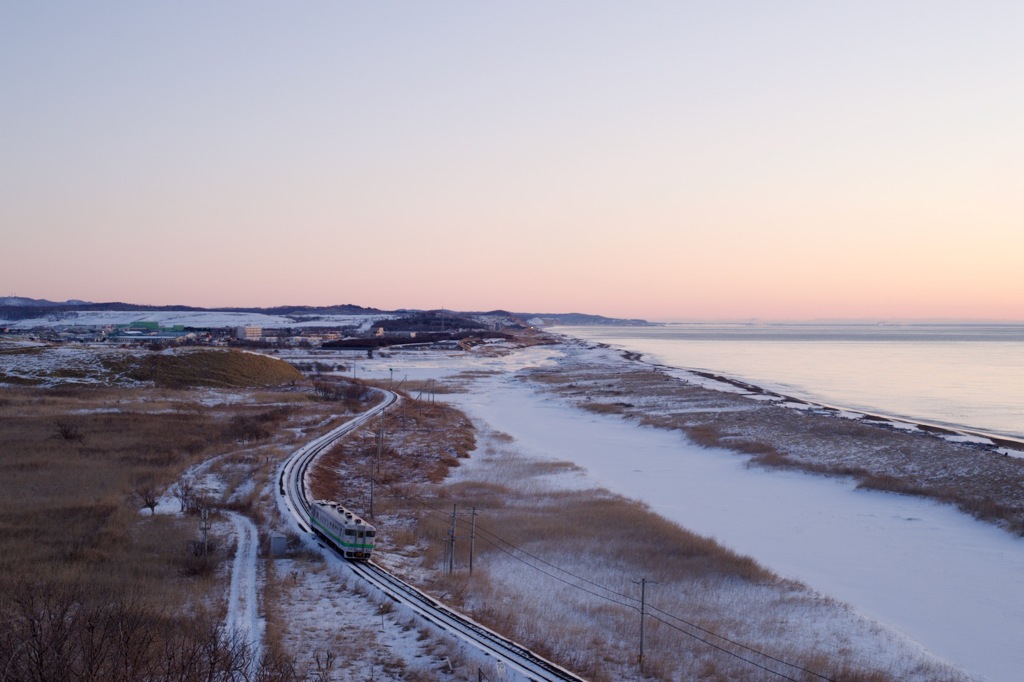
(353, 537)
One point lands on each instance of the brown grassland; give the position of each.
(97, 587)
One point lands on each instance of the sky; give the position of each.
(666, 160)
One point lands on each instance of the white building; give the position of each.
(250, 332)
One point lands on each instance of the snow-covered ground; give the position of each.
(944, 580)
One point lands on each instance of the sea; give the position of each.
(964, 376)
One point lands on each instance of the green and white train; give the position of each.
(353, 537)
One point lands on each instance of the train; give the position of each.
(352, 536)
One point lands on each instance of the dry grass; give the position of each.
(75, 461)
(423, 389)
(423, 441)
(75, 543)
(214, 368)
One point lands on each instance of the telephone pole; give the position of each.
(204, 525)
(643, 612)
(451, 544)
(380, 439)
(372, 477)
(472, 538)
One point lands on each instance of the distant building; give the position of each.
(250, 332)
(140, 332)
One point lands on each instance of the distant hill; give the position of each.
(14, 308)
(576, 320)
(21, 302)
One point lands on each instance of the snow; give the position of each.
(965, 438)
(371, 635)
(941, 578)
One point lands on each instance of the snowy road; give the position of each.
(243, 622)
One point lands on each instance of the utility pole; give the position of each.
(380, 439)
(451, 544)
(204, 525)
(472, 538)
(643, 612)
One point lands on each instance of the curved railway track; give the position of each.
(516, 657)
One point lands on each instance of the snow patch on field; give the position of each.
(365, 638)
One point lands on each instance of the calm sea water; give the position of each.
(969, 375)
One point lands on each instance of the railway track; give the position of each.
(512, 656)
(292, 476)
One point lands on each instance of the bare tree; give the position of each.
(185, 492)
(324, 666)
(148, 493)
(67, 431)
(54, 631)
(325, 390)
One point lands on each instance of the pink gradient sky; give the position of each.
(666, 160)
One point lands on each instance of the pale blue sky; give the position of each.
(661, 159)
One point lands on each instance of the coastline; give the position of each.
(963, 378)
(1005, 445)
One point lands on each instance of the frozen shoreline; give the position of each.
(1003, 444)
(960, 378)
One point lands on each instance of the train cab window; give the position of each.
(370, 533)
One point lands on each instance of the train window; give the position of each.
(349, 531)
(370, 533)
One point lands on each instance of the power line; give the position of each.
(735, 655)
(623, 600)
(438, 514)
(730, 641)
